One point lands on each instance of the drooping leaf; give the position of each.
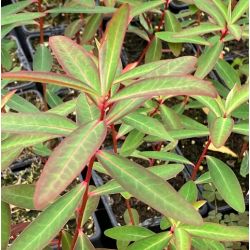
(110, 49)
(148, 188)
(189, 191)
(75, 61)
(5, 224)
(47, 225)
(226, 183)
(42, 59)
(240, 8)
(67, 161)
(220, 130)
(19, 195)
(182, 239)
(218, 232)
(43, 123)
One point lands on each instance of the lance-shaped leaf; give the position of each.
(220, 130)
(189, 191)
(226, 183)
(240, 8)
(178, 66)
(218, 232)
(190, 123)
(128, 233)
(237, 96)
(110, 49)
(96, 10)
(208, 59)
(241, 128)
(75, 60)
(9, 156)
(166, 85)
(147, 125)
(201, 29)
(66, 240)
(170, 118)
(122, 108)
(154, 51)
(235, 30)
(21, 17)
(221, 6)
(14, 7)
(43, 123)
(73, 28)
(165, 156)
(7, 97)
(172, 24)
(42, 59)
(83, 242)
(149, 188)
(19, 195)
(52, 78)
(135, 215)
(5, 224)
(67, 161)
(154, 242)
(169, 36)
(47, 225)
(182, 239)
(64, 109)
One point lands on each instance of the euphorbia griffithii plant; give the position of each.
(113, 96)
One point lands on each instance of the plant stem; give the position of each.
(130, 212)
(41, 20)
(84, 202)
(59, 240)
(196, 167)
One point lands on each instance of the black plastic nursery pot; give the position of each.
(176, 6)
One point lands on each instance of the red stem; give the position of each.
(41, 20)
(196, 167)
(59, 240)
(130, 212)
(84, 202)
(114, 138)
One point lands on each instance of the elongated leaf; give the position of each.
(110, 49)
(169, 36)
(21, 17)
(241, 128)
(227, 73)
(170, 118)
(154, 242)
(42, 59)
(83, 242)
(147, 125)
(42, 150)
(5, 224)
(73, 28)
(148, 188)
(189, 191)
(182, 239)
(66, 240)
(14, 7)
(236, 97)
(8, 157)
(172, 24)
(218, 232)
(64, 109)
(226, 183)
(43, 123)
(190, 123)
(221, 6)
(52, 78)
(201, 29)
(135, 215)
(96, 10)
(166, 156)
(240, 8)
(235, 30)
(19, 195)
(166, 85)
(178, 66)
(128, 233)
(47, 225)
(67, 161)
(204, 178)
(75, 60)
(220, 130)
(208, 59)
(154, 51)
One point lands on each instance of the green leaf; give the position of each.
(42, 150)
(67, 161)
(83, 242)
(235, 30)
(204, 178)
(244, 166)
(85, 110)
(236, 97)
(96, 10)
(172, 24)
(190, 123)
(189, 191)
(128, 233)
(218, 232)
(47, 225)
(42, 59)
(154, 51)
(241, 128)
(19, 195)
(211, 9)
(21, 17)
(208, 59)
(148, 188)
(147, 125)
(72, 57)
(165, 85)
(52, 98)
(221, 6)
(52, 78)
(226, 183)
(5, 224)
(43, 123)
(182, 239)
(135, 215)
(169, 36)
(64, 109)
(14, 7)
(201, 29)
(73, 28)
(170, 118)
(9, 156)
(110, 49)
(154, 242)
(220, 130)
(227, 73)
(240, 8)
(66, 240)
